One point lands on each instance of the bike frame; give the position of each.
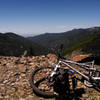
(89, 68)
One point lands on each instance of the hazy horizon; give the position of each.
(32, 35)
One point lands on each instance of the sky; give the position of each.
(33, 17)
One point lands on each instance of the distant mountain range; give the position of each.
(86, 39)
(12, 44)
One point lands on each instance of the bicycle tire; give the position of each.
(36, 90)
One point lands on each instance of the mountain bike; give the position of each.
(51, 81)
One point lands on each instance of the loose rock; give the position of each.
(15, 73)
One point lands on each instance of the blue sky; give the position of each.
(40, 16)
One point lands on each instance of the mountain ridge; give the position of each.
(12, 44)
(74, 39)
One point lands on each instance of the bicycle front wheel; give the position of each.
(40, 84)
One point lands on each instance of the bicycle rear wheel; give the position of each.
(40, 84)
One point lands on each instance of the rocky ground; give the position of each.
(15, 73)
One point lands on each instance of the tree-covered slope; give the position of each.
(90, 44)
(72, 40)
(93, 46)
(15, 45)
(55, 39)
